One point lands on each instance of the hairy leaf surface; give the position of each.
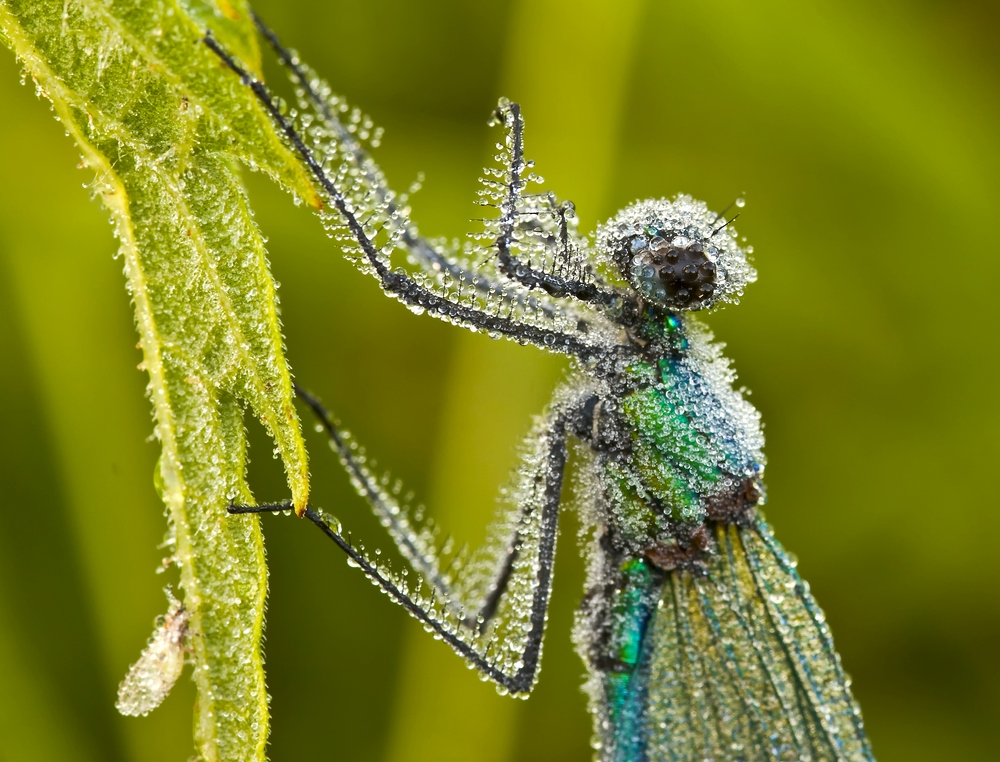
(155, 116)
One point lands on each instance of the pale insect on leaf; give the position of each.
(151, 678)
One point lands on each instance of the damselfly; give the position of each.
(701, 640)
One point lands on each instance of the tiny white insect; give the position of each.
(150, 679)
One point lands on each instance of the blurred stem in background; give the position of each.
(557, 66)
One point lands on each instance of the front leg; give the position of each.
(360, 234)
(432, 257)
(510, 209)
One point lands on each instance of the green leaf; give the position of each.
(155, 116)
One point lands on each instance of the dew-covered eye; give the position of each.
(676, 254)
(677, 272)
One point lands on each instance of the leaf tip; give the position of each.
(315, 200)
(227, 10)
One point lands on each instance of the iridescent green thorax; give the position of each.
(694, 440)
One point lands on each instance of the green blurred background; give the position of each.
(865, 137)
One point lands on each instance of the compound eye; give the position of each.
(679, 273)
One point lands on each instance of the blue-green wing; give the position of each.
(739, 664)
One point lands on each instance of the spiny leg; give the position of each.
(422, 249)
(418, 547)
(512, 266)
(528, 561)
(397, 282)
(422, 612)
